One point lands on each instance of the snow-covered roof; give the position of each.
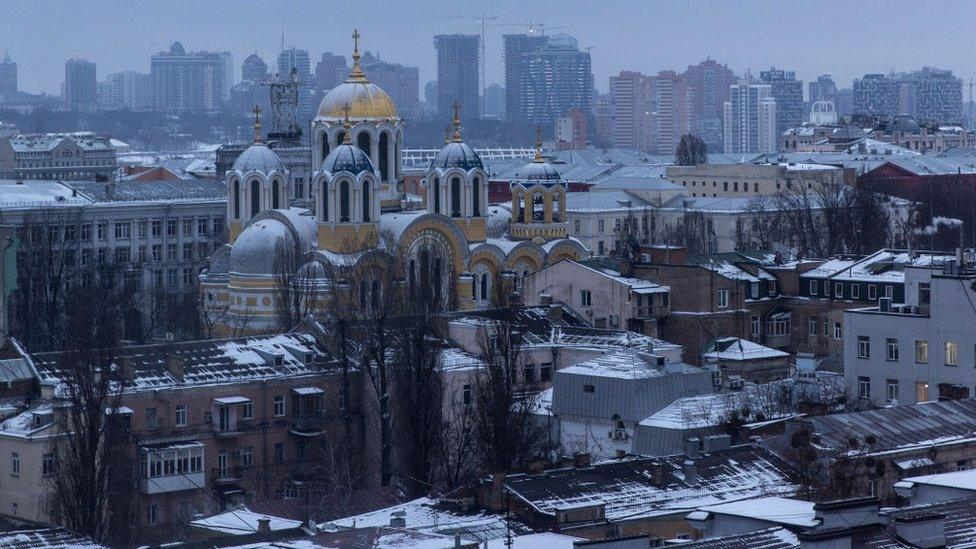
(734, 348)
(881, 266)
(793, 512)
(710, 410)
(645, 487)
(543, 540)
(767, 538)
(425, 515)
(46, 538)
(239, 522)
(624, 364)
(604, 201)
(963, 480)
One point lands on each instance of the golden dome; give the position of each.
(365, 99)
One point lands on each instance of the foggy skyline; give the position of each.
(846, 39)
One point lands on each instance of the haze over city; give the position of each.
(845, 38)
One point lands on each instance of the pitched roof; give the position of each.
(627, 487)
(46, 538)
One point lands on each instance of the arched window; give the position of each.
(484, 286)
(366, 201)
(396, 157)
(237, 199)
(384, 156)
(325, 201)
(556, 201)
(436, 189)
(340, 137)
(437, 280)
(344, 202)
(325, 145)
(455, 197)
(412, 277)
(255, 198)
(476, 197)
(374, 293)
(362, 294)
(363, 141)
(275, 194)
(538, 207)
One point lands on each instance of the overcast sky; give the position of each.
(846, 38)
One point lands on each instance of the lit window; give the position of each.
(951, 353)
(723, 298)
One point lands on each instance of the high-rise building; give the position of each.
(844, 101)
(80, 85)
(130, 90)
(571, 130)
(672, 111)
(516, 47)
(184, 81)
(822, 89)
(877, 94)
(400, 81)
(458, 64)
(631, 110)
(294, 58)
(495, 102)
(254, 69)
(603, 121)
(330, 71)
(227, 64)
(8, 78)
(554, 79)
(750, 119)
(788, 93)
(430, 97)
(709, 82)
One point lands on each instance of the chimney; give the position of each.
(692, 444)
(555, 313)
(921, 529)
(47, 389)
(398, 519)
(657, 474)
(497, 499)
(690, 471)
(545, 299)
(264, 526)
(717, 443)
(581, 460)
(175, 365)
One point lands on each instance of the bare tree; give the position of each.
(691, 151)
(93, 477)
(295, 291)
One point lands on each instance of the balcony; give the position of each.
(653, 311)
(231, 473)
(171, 483)
(232, 429)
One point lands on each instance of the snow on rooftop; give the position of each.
(733, 348)
(709, 410)
(963, 480)
(794, 512)
(621, 364)
(242, 522)
(544, 540)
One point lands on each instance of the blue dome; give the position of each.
(258, 157)
(457, 154)
(539, 171)
(347, 158)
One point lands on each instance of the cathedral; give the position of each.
(451, 237)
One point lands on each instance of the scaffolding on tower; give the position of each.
(284, 110)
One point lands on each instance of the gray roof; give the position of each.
(603, 200)
(14, 369)
(135, 191)
(637, 182)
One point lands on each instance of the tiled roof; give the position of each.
(46, 538)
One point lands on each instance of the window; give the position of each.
(756, 326)
(47, 465)
(152, 420)
(247, 456)
(951, 353)
(279, 405)
(86, 233)
(545, 372)
(344, 205)
(171, 252)
(279, 452)
(586, 299)
(576, 226)
(924, 293)
(921, 351)
(855, 291)
(247, 410)
(122, 229)
(772, 287)
(143, 228)
(863, 387)
(892, 390)
(723, 298)
(813, 327)
(589, 389)
(187, 251)
(779, 325)
(529, 374)
(891, 349)
(151, 516)
(14, 463)
(157, 228)
(171, 227)
(601, 225)
(157, 252)
(813, 287)
(838, 290)
(366, 207)
(838, 330)
(466, 395)
(102, 231)
(889, 291)
(872, 292)
(180, 415)
(754, 290)
(863, 347)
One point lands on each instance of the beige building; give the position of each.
(747, 180)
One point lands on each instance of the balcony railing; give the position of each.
(230, 473)
(236, 430)
(653, 311)
(308, 422)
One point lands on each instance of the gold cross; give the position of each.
(355, 37)
(457, 107)
(257, 123)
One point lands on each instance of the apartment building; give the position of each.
(212, 423)
(761, 179)
(64, 156)
(917, 345)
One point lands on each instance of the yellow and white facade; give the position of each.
(457, 243)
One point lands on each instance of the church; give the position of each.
(451, 237)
